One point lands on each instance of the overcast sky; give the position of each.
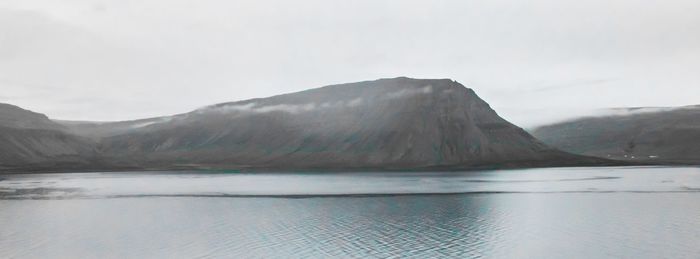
(533, 61)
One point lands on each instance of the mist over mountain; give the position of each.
(653, 134)
(398, 123)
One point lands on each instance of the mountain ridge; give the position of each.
(397, 123)
(659, 135)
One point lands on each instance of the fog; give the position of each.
(533, 61)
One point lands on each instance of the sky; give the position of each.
(534, 61)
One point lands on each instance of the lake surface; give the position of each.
(631, 212)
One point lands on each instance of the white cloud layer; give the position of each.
(128, 59)
(288, 108)
(410, 92)
(306, 107)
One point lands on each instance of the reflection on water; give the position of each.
(197, 184)
(637, 213)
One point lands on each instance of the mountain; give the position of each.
(29, 139)
(652, 135)
(17, 118)
(398, 123)
(384, 124)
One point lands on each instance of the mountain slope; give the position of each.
(29, 139)
(15, 117)
(655, 135)
(387, 123)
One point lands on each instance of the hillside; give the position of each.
(654, 135)
(387, 123)
(32, 140)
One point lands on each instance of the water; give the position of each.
(635, 212)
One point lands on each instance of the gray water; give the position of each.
(633, 212)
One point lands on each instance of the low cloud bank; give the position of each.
(288, 108)
(410, 92)
(254, 107)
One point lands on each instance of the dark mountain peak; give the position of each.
(11, 111)
(28, 139)
(354, 94)
(403, 79)
(406, 82)
(15, 117)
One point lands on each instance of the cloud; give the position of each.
(575, 84)
(354, 102)
(289, 108)
(229, 108)
(552, 116)
(139, 59)
(253, 107)
(410, 92)
(637, 110)
(157, 121)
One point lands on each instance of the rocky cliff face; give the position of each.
(652, 135)
(388, 123)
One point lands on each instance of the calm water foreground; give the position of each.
(633, 212)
